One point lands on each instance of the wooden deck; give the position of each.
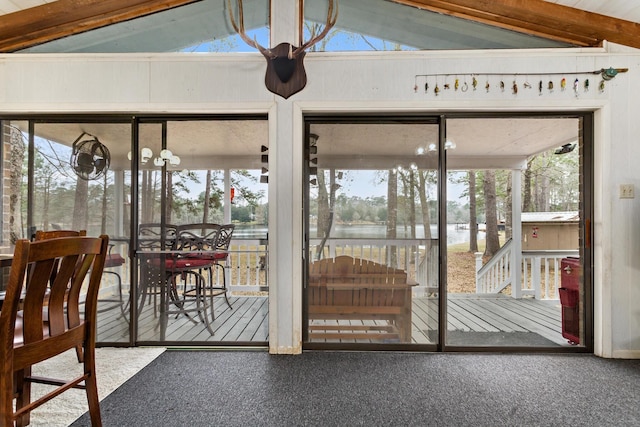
(493, 320)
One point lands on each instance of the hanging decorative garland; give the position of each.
(437, 83)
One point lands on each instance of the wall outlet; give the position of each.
(627, 191)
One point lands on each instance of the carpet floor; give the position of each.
(245, 388)
(114, 366)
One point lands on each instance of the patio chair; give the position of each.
(114, 260)
(221, 256)
(195, 243)
(216, 252)
(69, 260)
(151, 241)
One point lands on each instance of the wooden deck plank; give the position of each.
(253, 329)
(473, 322)
(480, 310)
(248, 321)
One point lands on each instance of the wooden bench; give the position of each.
(346, 289)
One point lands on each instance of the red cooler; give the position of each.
(570, 298)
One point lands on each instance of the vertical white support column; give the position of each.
(285, 202)
(227, 196)
(516, 234)
(284, 22)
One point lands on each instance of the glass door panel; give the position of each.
(79, 183)
(202, 233)
(372, 220)
(514, 224)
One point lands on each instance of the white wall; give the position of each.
(368, 82)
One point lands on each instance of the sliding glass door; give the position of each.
(201, 231)
(519, 214)
(372, 214)
(449, 233)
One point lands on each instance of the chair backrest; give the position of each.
(224, 238)
(150, 237)
(73, 258)
(197, 237)
(54, 234)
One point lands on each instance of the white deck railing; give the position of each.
(541, 276)
(246, 267)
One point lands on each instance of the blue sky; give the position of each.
(337, 41)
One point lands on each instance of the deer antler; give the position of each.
(331, 21)
(241, 32)
(285, 73)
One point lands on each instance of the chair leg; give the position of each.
(23, 395)
(120, 298)
(92, 389)
(204, 301)
(224, 285)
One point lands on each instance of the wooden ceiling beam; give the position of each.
(539, 18)
(61, 18)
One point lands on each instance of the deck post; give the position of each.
(478, 256)
(227, 196)
(516, 233)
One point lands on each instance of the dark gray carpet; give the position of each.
(226, 388)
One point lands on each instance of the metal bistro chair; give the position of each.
(194, 244)
(115, 260)
(151, 239)
(221, 256)
(27, 338)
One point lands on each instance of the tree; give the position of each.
(16, 162)
(80, 211)
(424, 203)
(333, 187)
(527, 200)
(473, 215)
(392, 215)
(323, 204)
(492, 240)
(207, 197)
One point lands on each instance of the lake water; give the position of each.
(363, 231)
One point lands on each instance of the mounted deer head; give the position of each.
(285, 68)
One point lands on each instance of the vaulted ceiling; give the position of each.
(28, 23)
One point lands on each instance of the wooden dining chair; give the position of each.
(27, 338)
(54, 234)
(112, 260)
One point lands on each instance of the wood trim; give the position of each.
(61, 18)
(539, 18)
